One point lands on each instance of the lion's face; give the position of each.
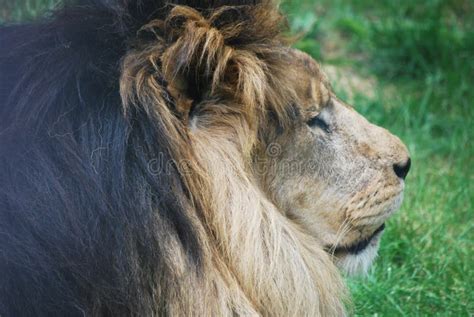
(335, 174)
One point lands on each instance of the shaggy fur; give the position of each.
(89, 97)
(131, 133)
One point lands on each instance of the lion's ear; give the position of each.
(178, 90)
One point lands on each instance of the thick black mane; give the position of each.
(81, 212)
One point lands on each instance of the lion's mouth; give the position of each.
(358, 246)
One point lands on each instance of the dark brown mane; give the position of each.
(85, 225)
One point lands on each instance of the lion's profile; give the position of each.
(178, 158)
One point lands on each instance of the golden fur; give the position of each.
(273, 181)
(263, 256)
(257, 262)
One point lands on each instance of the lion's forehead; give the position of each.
(304, 60)
(310, 82)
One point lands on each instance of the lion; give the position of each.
(180, 158)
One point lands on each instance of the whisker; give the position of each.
(341, 232)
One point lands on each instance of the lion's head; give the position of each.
(294, 178)
(332, 172)
(189, 162)
(291, 178)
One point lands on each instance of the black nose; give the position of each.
(402, 169)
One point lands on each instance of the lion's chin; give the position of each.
(359, 263)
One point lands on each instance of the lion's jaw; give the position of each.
(360, 262)
(358, 257)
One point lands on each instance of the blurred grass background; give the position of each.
(408, 66)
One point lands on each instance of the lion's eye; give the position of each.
(319, 123)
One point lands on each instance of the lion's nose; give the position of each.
(402, 169)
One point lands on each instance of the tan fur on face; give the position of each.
(266, 217)
(346, 186)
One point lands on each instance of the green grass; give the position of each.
(420, 56)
